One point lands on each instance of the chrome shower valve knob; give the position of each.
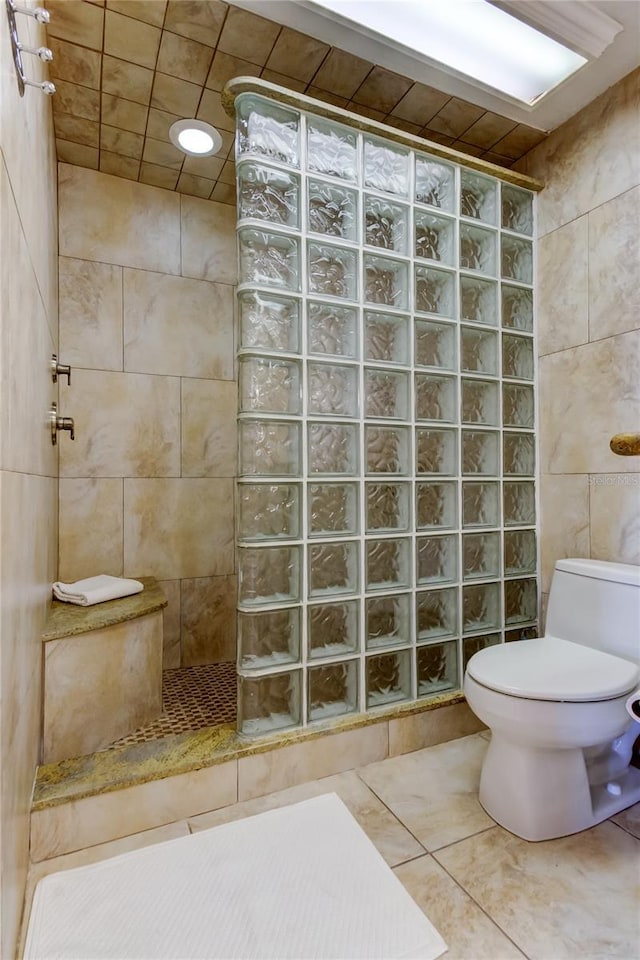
(60, 423)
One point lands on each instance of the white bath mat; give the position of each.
(297, 882)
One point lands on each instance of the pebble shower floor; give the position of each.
(386, 419)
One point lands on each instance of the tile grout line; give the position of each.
(387, 807)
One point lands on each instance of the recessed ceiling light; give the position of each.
(195, 137)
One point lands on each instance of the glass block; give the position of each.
(477, 249)
(517, 259)
(269, 703)
(437, 668)
(437, 613)
(332, 210)
(332, 390)
(386, 167)
(333, 448)
(386, 224)
(333, 509)
(386, 337)
(519, 454)
(388, 678)
(386, 394)
(435, 344)
(519, 503)
(333, 690)
(269, 448)
(436, 504)
(520, 600)
(388, 506)
(435, 398)
(517, 209)
(268, 637)
(269, 322)
(387, 449)
(436, 451)
(478, 351)
(517, 357)
(333, 628)
(479, 300)
(522, 633)
(435, 292)
(269, 259)
(387, 564)
(269, 386)
(517, 405)
(385, 281)
(332, 271)
(267, 129)
(481, 608)
(332, 330)
(480, 402)
(519, 552)
(268, 511)
(268, 574)
(480, 556)
(333, 568)
(478, 197)
(435, 183)
(268, 194)
(437, 559)
(388, 621)
(517, 308)
(480, 453)
(435, 238)
(480, 504)
(471, 645)
(331, 149)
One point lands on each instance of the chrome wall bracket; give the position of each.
(18, 48)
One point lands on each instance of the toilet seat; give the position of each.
(549, 668)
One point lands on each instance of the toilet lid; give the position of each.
(549, 668)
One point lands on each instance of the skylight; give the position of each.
(471, 37)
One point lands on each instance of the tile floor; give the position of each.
(488, 893)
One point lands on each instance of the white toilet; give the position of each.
(561, 738)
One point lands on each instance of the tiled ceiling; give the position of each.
(126, 69)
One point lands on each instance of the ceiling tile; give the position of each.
(400, 124)
(77, 100)
(162, 153)
(175, 96)
(159, 122)
(119, 77)
(228, 174)
(341, 73)
(74, 63)
(183, 58)
(282, 81)
(365, 111)
(419, 104)
(247, 36)
(119, 166)
(212, 111)
(224, 193)
(497, 159)
(326, 96)
(490, 128)
(469, 148)
(228, 140)
(118, 112)
(381, 90)
(77, 153)
(197, 19)
(224, 67)
(297, 55)
(455, 117)
(194, 186)
(76, 129)
(130, 39)
(76, 22)
(209, 167)
(150, 11)
(122, 142)
(436, 136)
(157, 176)
(518, 142)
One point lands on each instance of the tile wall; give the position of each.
(28, 461)
(589, 329)
(146, 322)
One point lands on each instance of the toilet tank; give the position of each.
(597, 604)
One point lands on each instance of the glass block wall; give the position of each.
(386, 419)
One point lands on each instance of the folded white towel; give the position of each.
(96, 590)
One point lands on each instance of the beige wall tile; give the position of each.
(171, 624)
(194, 186)
(433, 726)
(208, 240)
(77, 154)
(420, 103)
(212, 111)
(209, 434)
(224, 193)
(208, 167)
(248, 36)
(178, 326)
(455, 117)
(77, 100)
(518, 141)
(208, 620)
(341, 73)
(158, 176)
(289, 766)
(615, 517)
(175, 95)
(224, 67)
(381, 90)
(614, 256)
(111, 220)
(118, 165)
(132, 40)
(118, 77)
(74, 63)
(158, 124)
(76, 22)
(283, 81)
(297, 55)
(486, 131)
(151, 11)
(563, 302)
(119, 112)
(162, 153)
(199, 21)
(76, 129)
(121, 141)
(91, 528)
(184, 58)
(178, 528)
(127, 425)
(107, 816)
(90, 314)
(564, 521)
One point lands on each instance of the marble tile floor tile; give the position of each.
(491, 895)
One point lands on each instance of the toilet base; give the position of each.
(541, 794)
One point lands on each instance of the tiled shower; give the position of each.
(387, 507)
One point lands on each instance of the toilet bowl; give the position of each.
(561, 738)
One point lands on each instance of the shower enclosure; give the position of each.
(386, 418)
